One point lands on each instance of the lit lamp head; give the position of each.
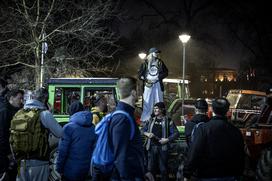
(184, 38)
(142, 55)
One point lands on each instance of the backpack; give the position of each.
(103, 157)
(27, 134)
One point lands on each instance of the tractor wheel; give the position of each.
(264, 167)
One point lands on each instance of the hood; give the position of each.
(82, 118)
(30, 104)
(75, 107)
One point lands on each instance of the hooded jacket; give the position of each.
(76, 146)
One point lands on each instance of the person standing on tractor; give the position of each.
(160, 130)
(201, 108)
(152, 72)
(217, 151)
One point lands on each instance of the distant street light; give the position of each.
(184, 38)
(142, 55)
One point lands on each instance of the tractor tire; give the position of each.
(264, 167)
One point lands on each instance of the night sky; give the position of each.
(232, 34)
(227, 33)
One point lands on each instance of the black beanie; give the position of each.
(75, 107)
(201, 104)
(160, 105)
(220, 106)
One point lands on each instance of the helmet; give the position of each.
(201, 104)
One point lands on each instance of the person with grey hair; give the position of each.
(35, 165)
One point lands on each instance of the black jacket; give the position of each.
(189, 126)
(163, 72)
(217, 151)
(7, 111)
(168, 126)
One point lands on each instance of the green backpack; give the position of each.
(27, 134)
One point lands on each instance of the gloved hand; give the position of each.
(164, 141)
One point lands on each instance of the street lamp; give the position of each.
(142, 55)
(184, 38)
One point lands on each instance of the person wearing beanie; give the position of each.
(76, 145)
(217, 151)
(160, 130)
(201, 108)
(152, 72)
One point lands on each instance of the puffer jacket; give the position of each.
(76, 146)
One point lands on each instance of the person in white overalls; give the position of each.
(152, 71)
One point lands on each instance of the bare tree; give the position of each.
(77, 33)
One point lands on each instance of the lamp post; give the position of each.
(184, 38)
(44, 50)
(142, 55)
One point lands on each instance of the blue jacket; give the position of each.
(128, 163)
(76, 146)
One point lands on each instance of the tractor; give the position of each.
(249, 112)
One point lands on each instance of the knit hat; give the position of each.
(151, 50)
(75, 107)
(160, 105)
(220, 106)
(201, 104)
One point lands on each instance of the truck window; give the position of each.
(107, 92)
(63, 98)
(257, 102)
(244, 102)
(232, 98)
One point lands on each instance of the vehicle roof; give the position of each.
(243, 91)
(180, 81)
(93, 80)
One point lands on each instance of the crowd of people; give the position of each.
(215, 146)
